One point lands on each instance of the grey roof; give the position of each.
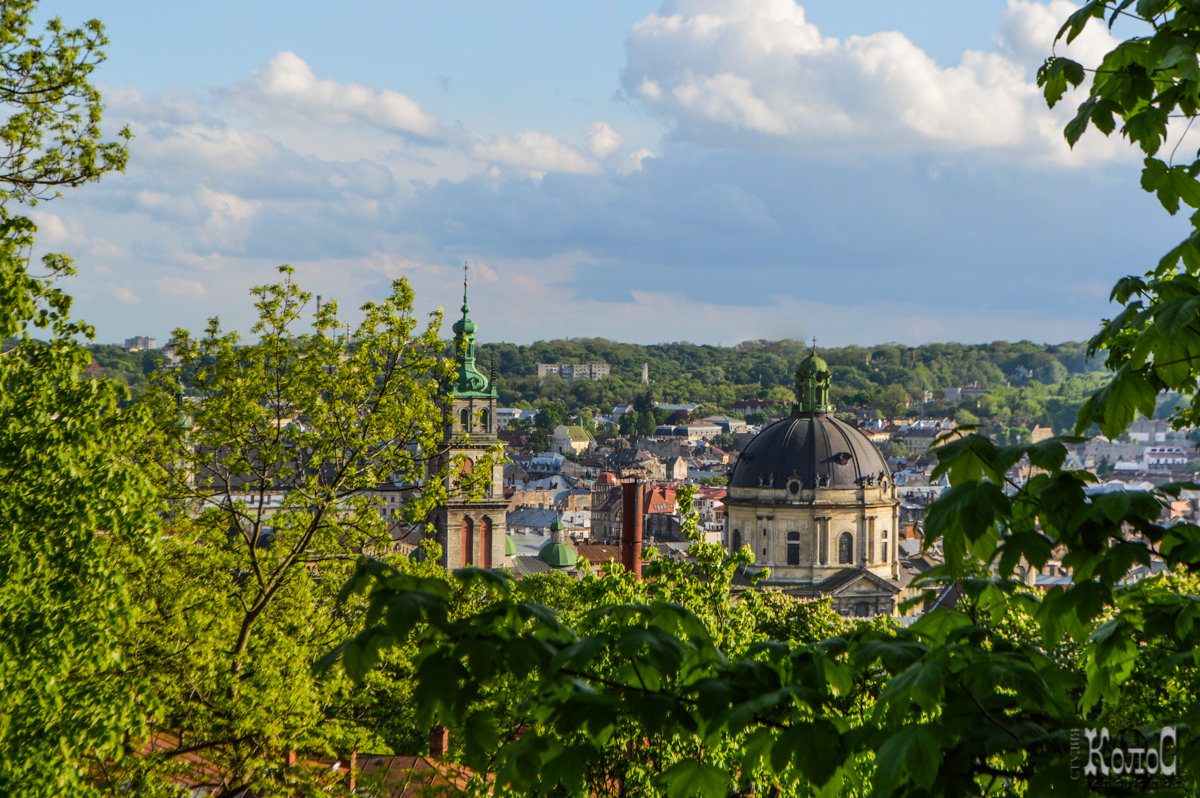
(524, 565)
(531, 517)
(818, 448)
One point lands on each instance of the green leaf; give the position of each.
(688, 778)
(911, 754)
(816, 748)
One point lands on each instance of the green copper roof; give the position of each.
(812, 384)
(469, 381)
(510, 548)
(559, 555)
(557, 525)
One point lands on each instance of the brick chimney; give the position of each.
(439, 741)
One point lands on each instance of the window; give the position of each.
(483, 421)
(737, 539)
(485, 543)
(464, 419)
(468, 540)
(885, 559)
(845, 548)
(793, 548)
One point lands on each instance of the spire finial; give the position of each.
(464, 307)
(814, 344)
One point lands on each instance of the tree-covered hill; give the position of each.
(718, 376)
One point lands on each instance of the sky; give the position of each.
(692, 170)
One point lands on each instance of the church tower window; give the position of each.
(468, 540)
(846, 548)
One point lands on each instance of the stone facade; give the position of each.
(471, 525)
(809, 535)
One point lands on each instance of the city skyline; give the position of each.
(703, 171)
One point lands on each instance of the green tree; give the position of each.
(892, 401)
(74, 508)
(271, 480)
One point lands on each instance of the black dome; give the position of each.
(818, 448)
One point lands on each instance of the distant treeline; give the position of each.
(1028, 383)
(718, 376)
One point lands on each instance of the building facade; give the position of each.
(814, 500)
(575, 371)
(471, 527)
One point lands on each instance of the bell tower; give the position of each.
(471, 526)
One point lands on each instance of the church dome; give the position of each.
(813, 364)
(812, 450)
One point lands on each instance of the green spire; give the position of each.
(812, 384)
(469, 381)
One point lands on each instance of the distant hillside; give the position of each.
(718, 376)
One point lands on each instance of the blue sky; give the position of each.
(702, 170)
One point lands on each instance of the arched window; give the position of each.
(793, 548)
(468, 540)
(485, 543)
(737, 539)
(845, 548)
(464, 419)
(483, 421)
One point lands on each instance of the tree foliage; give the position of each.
(270, 461)
(75, 507)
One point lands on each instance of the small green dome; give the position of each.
(510, 548)
(813, 364)
(464, 325)
(557, 525)
(559, 555)
(812, 385)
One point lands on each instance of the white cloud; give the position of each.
(204, 148)
(633, 161)
(533, 152)
(603, 141)
(394, 266)
(53, 230)
(123, 294)
(736, 72)
(179, 286)
(287, 85)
